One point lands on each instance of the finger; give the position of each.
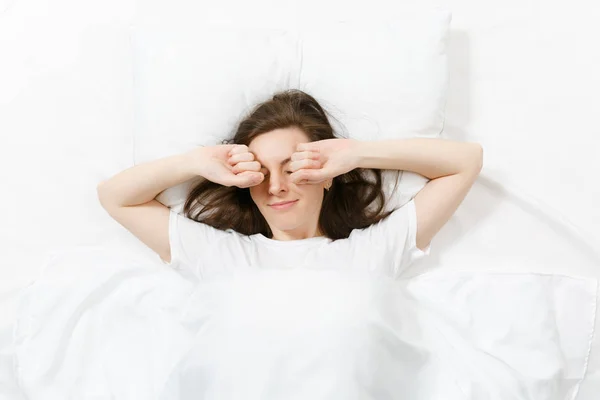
(301, 155)
(248, 179)
(308, 176)
(305, 163)
(239, 157)
(246, 166)
(238, 148)
(310, 146)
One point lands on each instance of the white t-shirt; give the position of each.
(387, 248)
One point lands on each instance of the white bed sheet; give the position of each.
(99, 323)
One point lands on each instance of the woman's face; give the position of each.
(300, 220)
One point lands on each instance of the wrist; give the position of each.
(361, 151)
(197, 159)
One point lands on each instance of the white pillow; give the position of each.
(195, 79)
(192, 84)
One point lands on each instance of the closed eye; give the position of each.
(288, 172)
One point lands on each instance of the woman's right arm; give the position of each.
(143, 182)
(129, 196)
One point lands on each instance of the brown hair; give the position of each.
(353, 201)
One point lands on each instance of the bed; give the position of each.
(508, 298)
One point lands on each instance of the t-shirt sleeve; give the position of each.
(190, 241)
(398, 235)
(411, 252)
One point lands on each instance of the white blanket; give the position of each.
(98, 325)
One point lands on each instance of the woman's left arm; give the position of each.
(452, 167)
(432, 158)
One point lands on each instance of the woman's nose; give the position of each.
(277, 183)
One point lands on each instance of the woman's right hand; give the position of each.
(230, 165)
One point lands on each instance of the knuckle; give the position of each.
(239, 148)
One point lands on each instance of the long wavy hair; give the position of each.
(353, 201)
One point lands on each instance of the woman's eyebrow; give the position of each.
(282, 163)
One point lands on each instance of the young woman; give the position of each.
(285, 192)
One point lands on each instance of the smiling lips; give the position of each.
(281, 206)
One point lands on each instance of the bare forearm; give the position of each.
(143, 182)
(429, 157)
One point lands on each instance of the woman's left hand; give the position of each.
(319, 161)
